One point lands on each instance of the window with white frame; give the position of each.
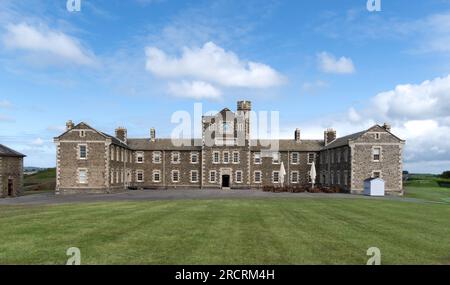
(226, 157)
(338, 155)
(112, 176)
(216, 157)
(257, 176)
(175, 176)
(338, 177)
(156, 157)
(295, 158)
(275, 158)
(345, 177)
(332, 177)
(139, 175)
(194, 176)
(308, 177)
(82, 133)
(276, 177)
(82, 151)
(175, 157)
(156, 176)
(194, 157)
(257, 158)
(139, 157)
(117, 176)
(377, 136)
(112, 152)
(236, 158)
(346, 154)
(294, 176)
(376, 154)
(117, 154)
(212, 176)
(311, 157)
(376, 174)
(121, 154)
(238, 176)
(82, 176)
(126, 155)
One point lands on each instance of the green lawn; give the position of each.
(246, 231)
(427, 187)
(43, 181)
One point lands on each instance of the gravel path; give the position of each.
(178, 194)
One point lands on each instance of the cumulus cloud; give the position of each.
(195, 90)
(44, 41)
(419, 113)
(212, 63)
(329, 64)
(429, 99)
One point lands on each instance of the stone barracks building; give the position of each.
(90, 161)
(11, 172)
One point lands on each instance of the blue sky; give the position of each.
(133, 63)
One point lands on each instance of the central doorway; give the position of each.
(10, 187)
(225, 181)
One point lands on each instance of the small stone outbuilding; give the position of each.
(11, 172)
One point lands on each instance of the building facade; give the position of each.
(11, 172)
(90, 161)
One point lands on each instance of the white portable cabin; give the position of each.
(374, 187)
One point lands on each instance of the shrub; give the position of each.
(446, 174)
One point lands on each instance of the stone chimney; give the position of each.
(152, 134)
(121, 134)
(387, 127)
(297, 135)
(329, 135)
(69, 125)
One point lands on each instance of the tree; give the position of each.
(446, 174)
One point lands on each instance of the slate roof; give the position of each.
(344, 140)
(6, 151)
(195, 144)
(165, 144)
(289, 145)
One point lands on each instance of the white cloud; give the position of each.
(430, 99)
(38, 142)
(418, 113)
(212, 63)
(42, 42)
(329, 64)
(195, 90)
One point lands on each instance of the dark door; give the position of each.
(226, 181)
(10, 187)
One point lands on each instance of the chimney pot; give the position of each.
(387, 127)
(121, 134)
(69, 125)
(329, 136)
(297, 135)
(152, 134)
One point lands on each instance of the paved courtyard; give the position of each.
(172, 194)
